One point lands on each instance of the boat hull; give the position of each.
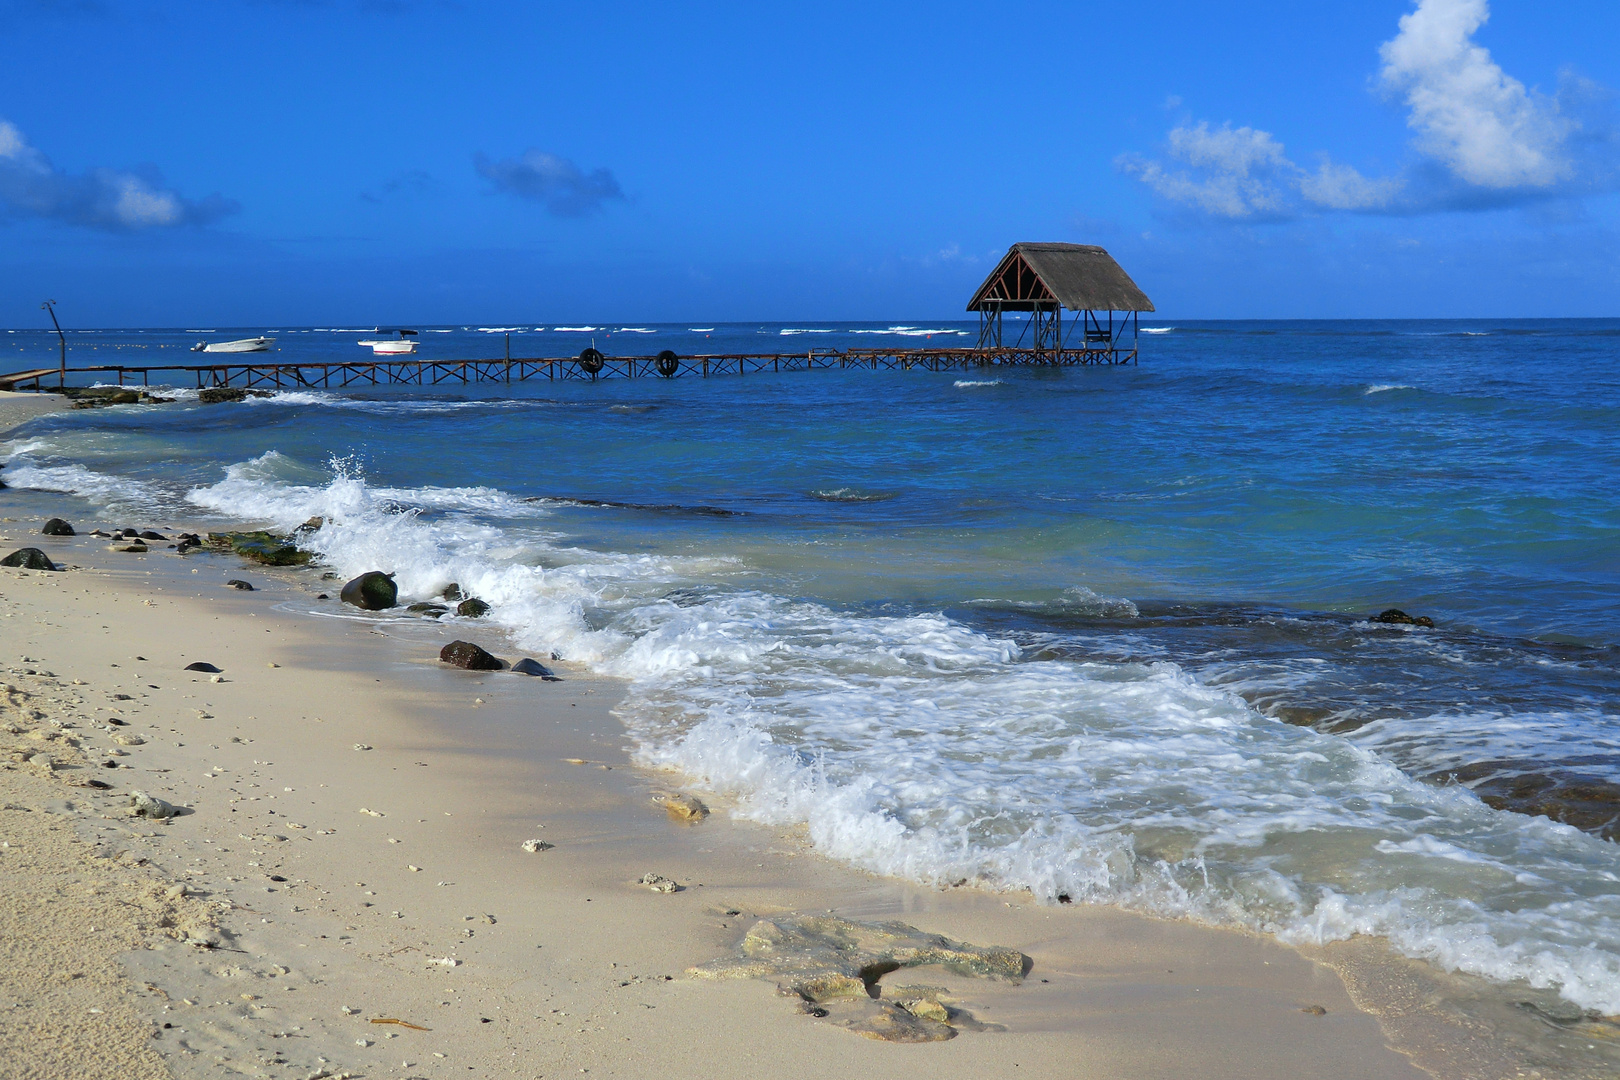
(258, 344)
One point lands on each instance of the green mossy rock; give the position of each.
(371, 591)
(271, 549)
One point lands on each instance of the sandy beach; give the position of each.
(18, 408)
(349, 848)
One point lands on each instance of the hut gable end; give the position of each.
(1080, 277)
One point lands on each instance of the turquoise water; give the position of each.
(1097, 633)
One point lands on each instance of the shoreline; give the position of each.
(17, 408)
(1106, 987)
(567, 922)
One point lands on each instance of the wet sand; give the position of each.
(350, 849)
(17, 409)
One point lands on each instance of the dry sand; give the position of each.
(350, 850)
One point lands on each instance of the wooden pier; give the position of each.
(590, 365)
(1042, 279)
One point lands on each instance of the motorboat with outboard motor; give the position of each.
(251, 344)
(403, 342)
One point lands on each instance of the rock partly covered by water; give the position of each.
(464, 654)
(472, 608)
(1397, 617)
(216, 395)
(29, 559)
(57, 527)
(682, 807)
(271, 549)
(823, 958)
(530, 666)
(372, 591)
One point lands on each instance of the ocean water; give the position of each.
(1098, 634)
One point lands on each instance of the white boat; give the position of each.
(394, 346)
(247, 344)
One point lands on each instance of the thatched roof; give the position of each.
(1078, 276)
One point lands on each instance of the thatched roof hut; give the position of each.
(1079, 277)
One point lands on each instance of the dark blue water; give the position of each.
(1098, 632)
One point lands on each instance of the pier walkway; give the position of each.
(255, 373)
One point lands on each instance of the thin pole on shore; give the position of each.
(61, 372)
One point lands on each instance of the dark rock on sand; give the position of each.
(203, 666)
(464, 654)
(29, 559)
(1397, 617)
(151, 534)
(238, 583)
(371, 591)
(58, 527)
(527, 666)
(428, 611)
(472, 608)
(271, 549)
(452, 592)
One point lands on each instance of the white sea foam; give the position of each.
(915, 746)
(790, 331)
(700, 329)
(960, 383)
(500, 329)
(176, 393)
(34, 465)
(295, 397)
(634, 330)
(1381, 388)
(576, 329)
(912, 331)
(1157, 329)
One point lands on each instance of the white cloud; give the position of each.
(1497, 139)
(1235, 172)
(30, 186)
(1245, 173)
(1471, 115)
(1341, 187)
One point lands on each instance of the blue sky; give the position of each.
(284, 162)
